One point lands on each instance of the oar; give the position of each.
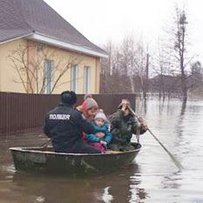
(176, 162)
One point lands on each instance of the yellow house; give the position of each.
(40, 52)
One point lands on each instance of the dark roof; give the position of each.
(19, 18)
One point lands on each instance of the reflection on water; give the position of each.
(152, 177)
(106, 196)
(114, 187)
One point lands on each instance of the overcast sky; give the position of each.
(104, 20)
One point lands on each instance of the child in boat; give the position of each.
(102, 136)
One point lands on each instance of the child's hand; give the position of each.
(103, 143)
(100, 134)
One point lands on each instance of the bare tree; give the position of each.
(175, 57)
(162, 67)
(196, 77)
(129, 63)
(134, 64)
(142, 63)
(109, 70)
(29, 63)
(180, 47)
(128, 60)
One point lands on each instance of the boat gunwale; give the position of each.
(32, 150)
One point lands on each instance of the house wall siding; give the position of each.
(60, 58)
(9, 81)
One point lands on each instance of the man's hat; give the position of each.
(68, 97)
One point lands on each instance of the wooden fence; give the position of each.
(21, 113)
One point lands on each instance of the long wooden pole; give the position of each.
(176, 162)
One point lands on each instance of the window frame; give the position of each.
(48, 75)
(86, 79)
(74, 77)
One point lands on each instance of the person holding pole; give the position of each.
(123, 125)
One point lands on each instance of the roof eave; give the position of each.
(55, 42)
(16, 38)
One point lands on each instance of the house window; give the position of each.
(73, 78)
(86, 79)
(48, 71)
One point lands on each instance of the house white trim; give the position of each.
(55, 42)
(15, 38)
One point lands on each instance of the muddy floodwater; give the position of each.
(151, 178)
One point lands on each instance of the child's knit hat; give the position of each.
(100, 115)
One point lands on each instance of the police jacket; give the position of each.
(64, 125)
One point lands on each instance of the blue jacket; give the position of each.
(104, 129)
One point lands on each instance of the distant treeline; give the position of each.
(170, 68)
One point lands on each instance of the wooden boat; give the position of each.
(45, 160)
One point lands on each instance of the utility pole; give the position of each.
(146, 81)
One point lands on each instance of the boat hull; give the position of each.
(36, 160)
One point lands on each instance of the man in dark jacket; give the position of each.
(64, 126)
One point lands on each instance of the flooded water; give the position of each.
(153, 177)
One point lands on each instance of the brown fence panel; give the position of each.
(20, 113)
